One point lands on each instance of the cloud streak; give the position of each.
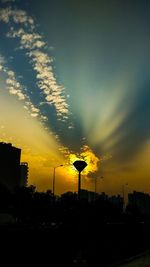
(16, 16)
(16, 88)
(34, 45)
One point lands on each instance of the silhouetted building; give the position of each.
(103, 196)
(9, 166)
(88, 195)
(139, 200)
(117, 201)
(24, 169)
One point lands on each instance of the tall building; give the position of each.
(9, 166)
(140, 200)
(24, 169)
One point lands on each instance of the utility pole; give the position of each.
(54, 179)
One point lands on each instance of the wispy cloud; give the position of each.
(47, 82)
(17, 89)
(16, 16)
(27, 40)
(35, 46)
(2, 61)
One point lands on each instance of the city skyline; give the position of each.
(74, 80)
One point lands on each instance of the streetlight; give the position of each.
(79, 165)
(54, 178)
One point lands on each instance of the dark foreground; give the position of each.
(139, 261)
(65, 231)
(97, 245)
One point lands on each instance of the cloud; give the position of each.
(17, 16)
(27, 40)
(2, 61)
(88, 156)
(41, 64)
(33, 43)
(15, 88)
(47, 82)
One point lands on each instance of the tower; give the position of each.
(9, 165)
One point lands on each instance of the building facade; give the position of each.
(24, 169)
(9, 166)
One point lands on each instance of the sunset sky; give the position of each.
(75, 84)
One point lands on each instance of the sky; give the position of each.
(75, 84)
